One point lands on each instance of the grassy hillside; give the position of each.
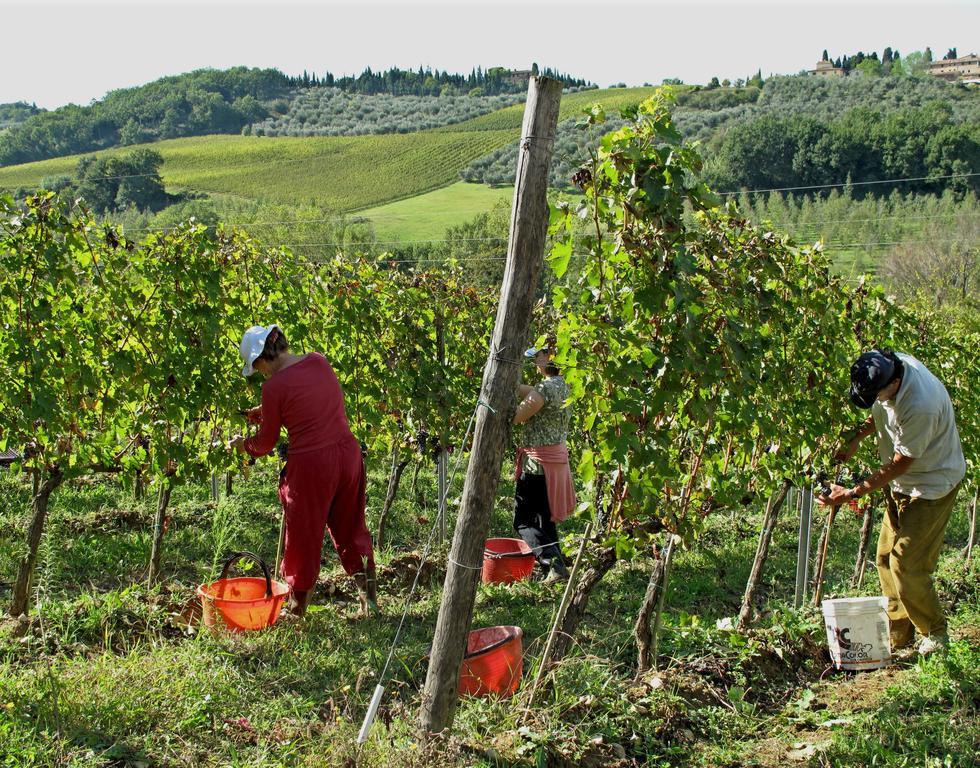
(428, 216)
(343, 174)
(340, 173)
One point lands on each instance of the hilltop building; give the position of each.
(965, 68)
(828, 69)
(518, 76)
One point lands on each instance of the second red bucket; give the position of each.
(493, 663)
(506, 561)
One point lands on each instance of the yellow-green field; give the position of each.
(428, 216)
(344, 174)
(339, 173)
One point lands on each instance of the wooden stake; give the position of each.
(442, 479)
(761, 554)
(861, 564)
(525, 251)
(675, 540)
(822, 549)
(398, 465)
(559, 618)
(973, 528)
(156, 548)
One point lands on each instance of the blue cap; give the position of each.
(871, 373)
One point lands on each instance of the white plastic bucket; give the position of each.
(857, 632)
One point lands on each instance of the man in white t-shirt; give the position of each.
(922, 468)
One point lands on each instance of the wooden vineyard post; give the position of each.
(861, 565)
(822, 548)
(761, 554)
(525, 252)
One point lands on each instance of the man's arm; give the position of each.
(865, 430)
(898, 466)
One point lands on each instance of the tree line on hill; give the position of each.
(197, 103)
(736, 124)
(16, 112)
(862, 145)
(429, 82)
(217, 101)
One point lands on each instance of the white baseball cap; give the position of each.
(253, 342)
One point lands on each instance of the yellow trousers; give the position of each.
(908, 551)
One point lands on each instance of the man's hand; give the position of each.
(838, 495)
(237, 443)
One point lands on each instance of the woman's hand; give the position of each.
(253, 415)
(237, 443)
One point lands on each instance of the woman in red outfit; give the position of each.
(324, 481)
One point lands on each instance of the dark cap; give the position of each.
(871, 373)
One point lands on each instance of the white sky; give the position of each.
(74, 51)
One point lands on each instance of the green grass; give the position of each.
(109, 677)
(428, 216)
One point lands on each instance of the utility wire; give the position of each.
(850, 184)
(290, 223)
(724, 194)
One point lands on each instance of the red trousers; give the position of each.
(324, 489)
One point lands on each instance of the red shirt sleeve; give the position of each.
(271, 427)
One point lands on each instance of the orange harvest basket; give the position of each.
(506, 561)
(243, 603)
(493, 663)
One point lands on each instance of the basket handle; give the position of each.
(236, 556)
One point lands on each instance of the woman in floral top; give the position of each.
(545, 494)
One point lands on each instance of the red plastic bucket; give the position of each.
(506, 561)
(243, 603)
(493, 663)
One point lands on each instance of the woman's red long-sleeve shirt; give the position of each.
(306, 399)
